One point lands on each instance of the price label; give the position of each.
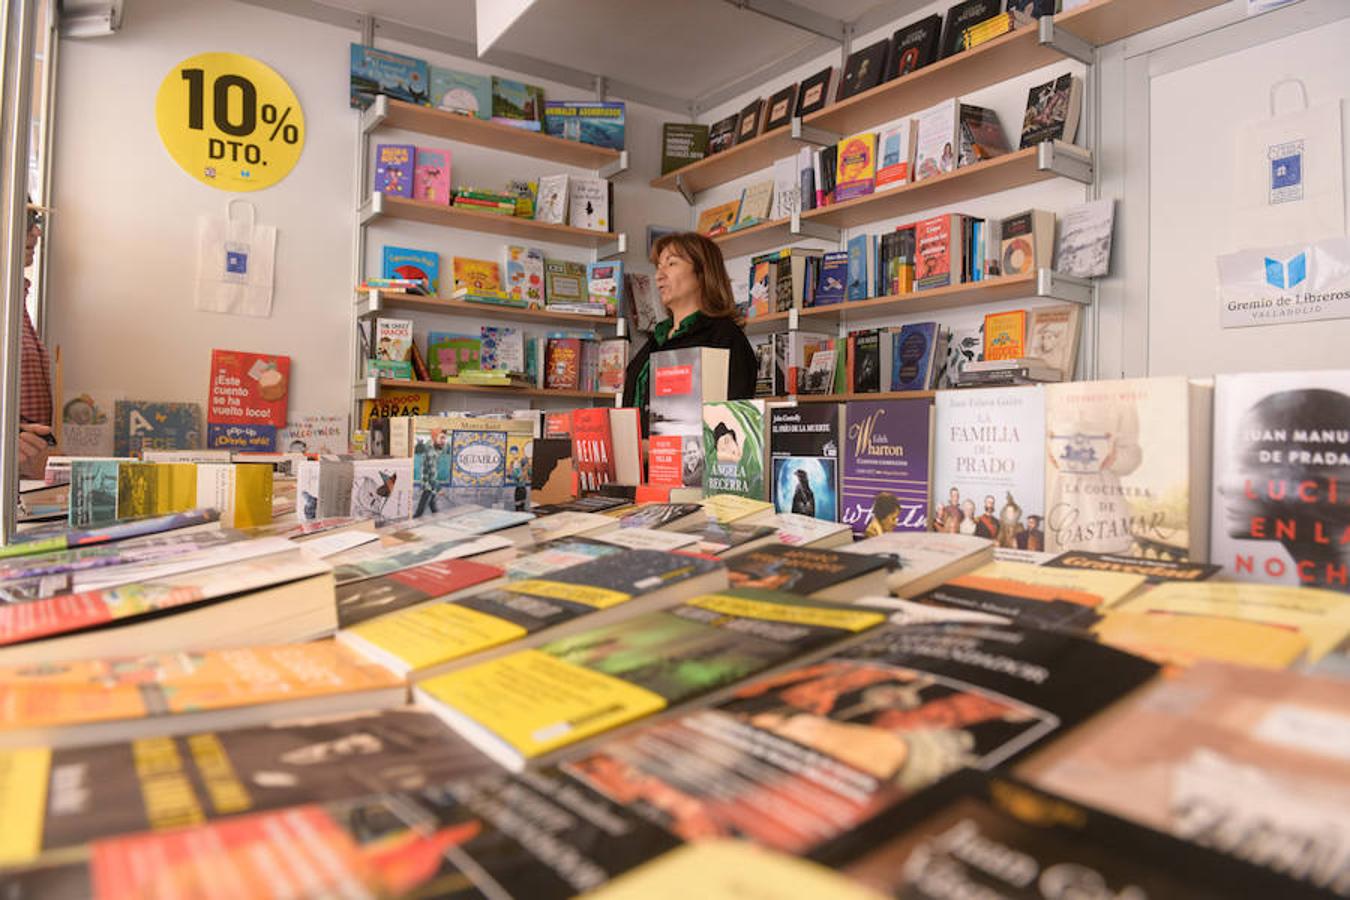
(230, 121)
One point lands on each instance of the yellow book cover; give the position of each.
(137, 490)
(1005, 335)
(477, 275)
(1323, 617)
(717, 219)
(855, 167)
(1089, 588)
(177, 485)
(23, 794)
(1183, 640)
(252, 495)
(429, 635)
(395, 403)
(726, 508)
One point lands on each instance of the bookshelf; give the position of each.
(1074, 34)
(753, 239)
(373, 302)
(605, 243)
(367, 389)
(1043, 283)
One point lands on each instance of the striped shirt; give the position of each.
(35, 379)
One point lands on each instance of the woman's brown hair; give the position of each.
(715, 299)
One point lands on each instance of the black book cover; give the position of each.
(1155, 571)
(977, 834)
(804, 452)
(1047, 112)
(814, 92)
(829, 156)
(864, 69)
(798, 570)
(866, 362)
(963, 16)
(592, 503)
(780, 108)
(1042, 612)
(722, 134)
(914, 46)
(658, 515)
(748, 122)
(1036, 8)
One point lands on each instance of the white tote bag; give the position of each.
(1290, 186)
(235, 259)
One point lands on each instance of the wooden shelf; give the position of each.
(412, 302)
(772, 322)
(1105, 21)
(756, 238)
(742, 159)
(485, 133)
(1016, 169)
(400, 384)
(382, 205)
(990, 290)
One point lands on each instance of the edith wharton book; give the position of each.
(1126, 464)
(804, 456)
(733, 448)
(884, 482)
(989, 465)
(1281, 501)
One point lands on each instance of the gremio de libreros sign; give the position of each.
(1295, 283)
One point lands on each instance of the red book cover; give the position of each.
(665, 461)
(562, 364)
(247, 402)
(557, 424)
(933, 253)
(592, 448)
(652, 493)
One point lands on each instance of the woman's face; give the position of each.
(675, 279)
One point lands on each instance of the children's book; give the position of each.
(596, 122)
(381, 72)
(565, 281)
(394, 169)
(503, 349)
(248, 391)
(477, 275)
(551, 202)
(525, 274)
(450, 353)
(461, 92)
(515, 100)
(431, 175)
(588, 203)
(405, 262)
(604, 282)
(141, 425)
(856, 167)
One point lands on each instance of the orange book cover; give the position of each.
(478, 275)
(1005, 335)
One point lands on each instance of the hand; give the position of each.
(33, 450)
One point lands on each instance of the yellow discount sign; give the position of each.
(230, 121)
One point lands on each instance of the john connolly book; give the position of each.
(1281, 503)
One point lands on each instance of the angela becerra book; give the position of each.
(519, 707)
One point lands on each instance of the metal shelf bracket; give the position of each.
(1066, 42)
(374, 115)
(612, 248)
(371, 210)
(366, 389)
(1061, 286)
(1065, 160)
(609, 170)
(798, 228)
(684, 190)
(810, 134)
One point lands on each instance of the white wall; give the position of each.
(123, 245)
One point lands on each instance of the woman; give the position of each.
(691, 277)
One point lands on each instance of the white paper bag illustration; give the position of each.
(234, 263)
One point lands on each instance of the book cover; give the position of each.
(682, 143)
(1281, 468)
(140, 425)
(453, 455)
(884, 479)
(461, 92)
(756, 203)
(814, 92)
(562, 364)
(722, 134)
(856, 166)
(502, 349)
(248, 398)
(1005, 335)
(779, 107)
(431, 175)
(393, 340)
(450, 353)
(596, 122)
(1052, 111)
(613, 361)
(1052, 337)
(935, 143)
(588, 683)
(524, 275)
(647, 539)
(937, 252)
(1027, 242)
(604, 284)
(914, 46)
(884, 718)
(394, 169)
(405, 262)
(798, 570)
(749, 120)
(395, 403)
(94, 484)
(382, 72)
(565, 281)
(895, 154)
(723, 538)
(864, 69)
(551, 202)
(659, 515)
(476, 275)
(982, 135)
(717, 219)
(679, 388)
(516, 100)
(833, 284)
(1123, 471)
(913, 352)
(804, 453)
(733, 445)
(1083, 247)
(588, 203)
(859, 267)
(864, 349)
(988, 465)
(592, 449)
(962, 16)
(368, 598)
(1036, 595)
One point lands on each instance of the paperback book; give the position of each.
(884, 480)
(804, 456)
(733, 446)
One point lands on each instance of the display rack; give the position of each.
(368, 389)
(371, 303)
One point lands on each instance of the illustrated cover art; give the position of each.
(864, 358)
(588, 203)
(913, 356)
(895, 154)
(982, 135)
(676, 408)
(935, 140)
(733, 445)
(988, 465)
(461, 92)
(477, 275)
(937, 252)
(778, 109)
(502, 349)
(395, 403)
(87, 424)
(596, 122)
(804, 454)
(516, 100)
(454, 456)
(1005, 335)
(405, 262)
(562, 363)
(1048, 113)
(431, 175)
(525, 275)
(797, 570)
(1281, 476)
(381, 72)
(884, 481)
(604, 284)
(450, 353)
(856, 167)
(394, 169)
(914, 46)
(140, 425)
(814, 92)
(592, 449)
(1116, 468)
(864, 69)
(382, 489)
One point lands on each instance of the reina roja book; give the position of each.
(521, 706)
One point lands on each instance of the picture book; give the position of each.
(502, 349)
(395, 403)
(452, 456)
(733, 445)
(682, 143)
(461, 92)
(393, 339)
(1052, 111)
(864, 69)
(914, 46)
(856, 166)
(565, 281)
(884, 476)
(515, 100)
(804, 458)
(394, 169)
(405, 262)
(524, 191)
(87, 424)
(1005, 335)
(779, 107)
(936, 140)
(524, 271)
(618, 673)
(551, 202)
(722, 134)
(604, 284)
(450, 353)
(961, 17)
(756, 203)
(248, 394)
(476, 275)
(1027, 241)
(1281, 463)
(859, 714)
(612, 364)
(431, 175)
(562, 364)
(814, 92)
(1126, 465)
(596, 122)
(719, 218)
(914, 353)
(382, 72)
(895, 154)
(588, 202)
(682, 381)
(988, 469)
(140, 425)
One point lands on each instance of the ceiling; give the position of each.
(685, 56)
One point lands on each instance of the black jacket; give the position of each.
(742, 367)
